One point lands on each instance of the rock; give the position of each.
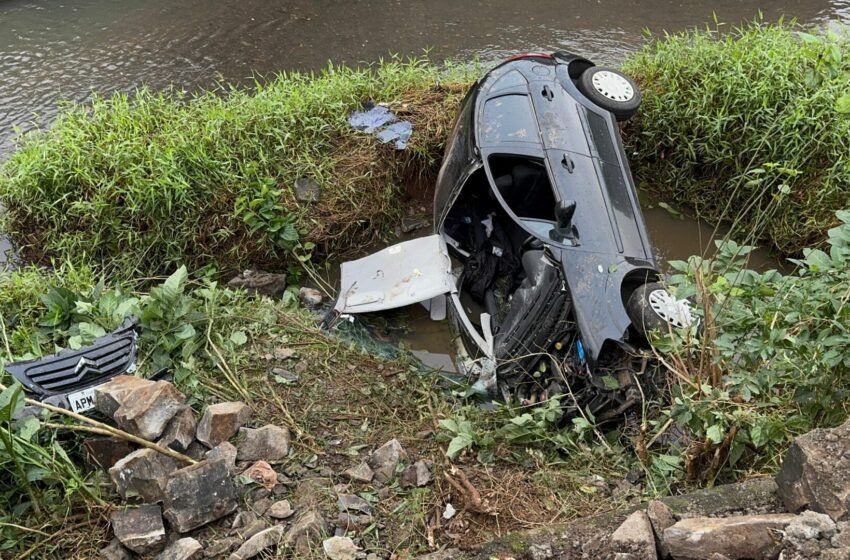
(412, 223)
(310, 297)
(842, 539)
(661, 518)
(350, 502)
(199, 494)
(262, 473)
(182, 549)
(109, 397)
(140, 529)
(104, 452)
(540, 551)
(269, 443)
(811, 525)
(635, 535)
(115, 551)
(814, 473)
(280, 510)
(147, 410)
(307, 190)
(258, 543)
(416, 475)
(197, 450)
(180, 431)
(256, 527)
(224, 451)
(221, 421)
(340, 548)
(243, 519)
(219, 548)
(311, 524)
(260, 507)
(384, 460)
(348, 522)
(257, 282)
(746, 536)
(284, 376)
(361, 473)
(143, 473)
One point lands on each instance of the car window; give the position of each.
(524, 185)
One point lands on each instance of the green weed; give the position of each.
(749, 126)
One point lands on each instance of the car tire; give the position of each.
(646, 309)
(612, 90)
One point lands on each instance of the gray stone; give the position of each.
(221, 421)
(143, 473)
(361, 473)
(540, 551)
(416, 475)
(269, 443)
(256, 527)
(310, 297)
(307, 190)
(384, 460)
(221, 547)
(340, 548)
(257, 282)
(635, 535)
(280, 510)
(811, 525)
(109, 397)
(224, 451)
(842, 537)
(350, 502)
(661, 518)
(746, 536)
(814, 473)
(196, 450)
(349, 522)
(199, 494)
(114, 551)
(310, 525)
(261, 506)
(263, 540)
(140, 529)
(180, 431)
(182, 549)
(147, 410)
(104, 452)
(284, 376)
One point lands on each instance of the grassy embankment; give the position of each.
(754, 119)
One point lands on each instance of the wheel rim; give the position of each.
(677, 312)
(613, 86)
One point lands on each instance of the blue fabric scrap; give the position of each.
(379, 120)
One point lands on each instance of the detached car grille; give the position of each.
(108, 356)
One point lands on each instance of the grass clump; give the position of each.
(750, 126)
(139, 183)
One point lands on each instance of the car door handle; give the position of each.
(568, 163)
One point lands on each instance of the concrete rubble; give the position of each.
(237, 484)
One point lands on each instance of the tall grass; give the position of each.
(749, 126)
(141, 182)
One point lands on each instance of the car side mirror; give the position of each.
(565, 229)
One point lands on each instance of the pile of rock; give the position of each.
(231, 485)
(814, 486)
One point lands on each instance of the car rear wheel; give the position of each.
(653, 309)
(612, 90)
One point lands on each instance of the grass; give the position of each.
(352, 396)
(750, 126)
(135, 184)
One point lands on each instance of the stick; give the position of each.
(105, 429)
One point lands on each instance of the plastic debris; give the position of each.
(449, 512)
(382, 122)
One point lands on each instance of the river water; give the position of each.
(53, 50)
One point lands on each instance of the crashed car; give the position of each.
(540, 257)
(68, 378)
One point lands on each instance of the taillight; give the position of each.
(530, 55)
